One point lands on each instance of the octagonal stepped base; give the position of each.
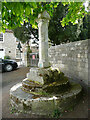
(46, 105)
(61, 86)
(29, 85)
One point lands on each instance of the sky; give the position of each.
(86, 5)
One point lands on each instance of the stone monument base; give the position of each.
(46, 105)
(36, 74)
(33, 96)
(43, 64)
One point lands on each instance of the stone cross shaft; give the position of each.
(43, 21)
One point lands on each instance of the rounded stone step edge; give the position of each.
(27, 84)
(44, 105)
(61, 87)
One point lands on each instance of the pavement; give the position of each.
(20, 64)
(11, 78)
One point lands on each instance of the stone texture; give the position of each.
(44, 105)
(43, 20)
(9, 44)
(72, 59)
(35, 74)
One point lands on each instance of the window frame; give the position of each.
(1, 41)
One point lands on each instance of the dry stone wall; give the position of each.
(72, 59)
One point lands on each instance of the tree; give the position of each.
(76, 11)
(13, 13)
(69, 33)
(25, 33)
(57, 33)
(84, 34)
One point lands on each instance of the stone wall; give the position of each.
(72, 59)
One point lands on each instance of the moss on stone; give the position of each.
(38, 93)
(55, 81)
(28, 81)
(53, 76)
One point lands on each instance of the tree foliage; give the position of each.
(13, 13)
(68, 33)
(25, 33)
(57, 33)
(76, 11)
(84, 34)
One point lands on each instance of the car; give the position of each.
(7, 65)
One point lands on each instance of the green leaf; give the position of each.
(34, 26)
(31, 11)
(27, 10)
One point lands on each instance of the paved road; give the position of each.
(8, 80)
(11, 78)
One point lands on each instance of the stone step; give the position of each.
(60, 86)
(30, 85)
(46, 105)
(57, 87)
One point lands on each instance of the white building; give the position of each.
(8, 47)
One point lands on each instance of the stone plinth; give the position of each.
(36, 74)
(46, 105)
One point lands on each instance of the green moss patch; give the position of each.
(53, 76)
(55, 81)
(37, 93)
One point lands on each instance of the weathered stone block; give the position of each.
(36, 74)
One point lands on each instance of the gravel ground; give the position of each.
(11, 78)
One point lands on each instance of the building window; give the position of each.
(18, 54)
(1, 37)
(1, 49)
(9, 51)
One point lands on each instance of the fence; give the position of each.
(33, 59)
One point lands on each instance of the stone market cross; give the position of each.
(34, 74)
(40, 95)
(43, 21)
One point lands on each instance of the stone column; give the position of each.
(43, 21)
